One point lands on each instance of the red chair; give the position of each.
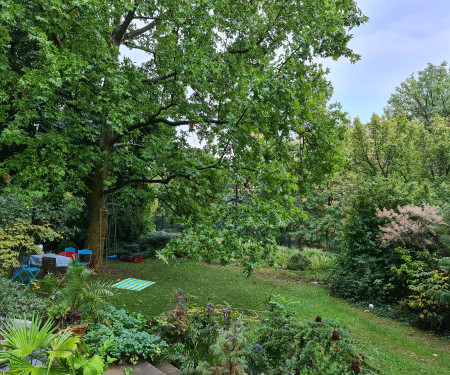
(69, 252)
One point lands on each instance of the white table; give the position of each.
(36, 260)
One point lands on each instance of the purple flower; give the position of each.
(239, 324)
(210, 308)
(258, 348)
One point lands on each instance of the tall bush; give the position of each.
(363, 270)
(21, 239)
(412, 226)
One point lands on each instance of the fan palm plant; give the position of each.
(35, 349)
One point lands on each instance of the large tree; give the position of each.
(423, 96)
(77, 116)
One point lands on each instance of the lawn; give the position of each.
(395, 348)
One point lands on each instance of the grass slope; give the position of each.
(395, 348)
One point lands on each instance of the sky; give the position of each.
(401, 38)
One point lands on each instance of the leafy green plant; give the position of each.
(318, 259)
(127, 332)
(288, 345)
(431, 297)
(298, 262)
(17, 301)
(80, 297)
(20, 239)
(360, 279)
(228, 353)
(34, 349)
(50, 283)
(130, 344)
(279, 257)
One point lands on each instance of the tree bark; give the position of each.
(98, 215)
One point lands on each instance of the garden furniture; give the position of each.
(26, 273)
(49, 266)
(83, 255)
(69, 252)
(61, 261)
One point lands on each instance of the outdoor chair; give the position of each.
(84, 257)
(49, 266)
(25, 272)
(70, 252)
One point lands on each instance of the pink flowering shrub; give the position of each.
(410, 226)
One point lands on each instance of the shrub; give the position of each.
(412, 226)
(360, 279)
(196, 335)
(228, 353)
(126, 331)
(318, 259)
(286, 345)
(214, 340)
(18, 302)
(20, 239)
(80, 297)
(361, 225)
(280, 257)
(431, 297)
(298, 262)
(363, 270)
(147, 245)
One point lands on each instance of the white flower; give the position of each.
(371, 306)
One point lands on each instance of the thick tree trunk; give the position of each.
(98, 217)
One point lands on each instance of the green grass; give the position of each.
(395, 348)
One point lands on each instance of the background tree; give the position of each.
(423, 96)
(78, 117)
(397, 147)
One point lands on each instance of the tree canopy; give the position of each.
(423, 96)
(79, 116)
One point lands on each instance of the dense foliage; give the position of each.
(33, 348)
(396, 221)
(17, 302)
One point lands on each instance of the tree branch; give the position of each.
(119, 31)
(238, 51)
(125, 144)
(133, 46)
(163, 77)
(142, 30)
(163, 181)
(289, 57)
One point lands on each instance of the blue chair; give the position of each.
(25, 272)
(84, 254)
